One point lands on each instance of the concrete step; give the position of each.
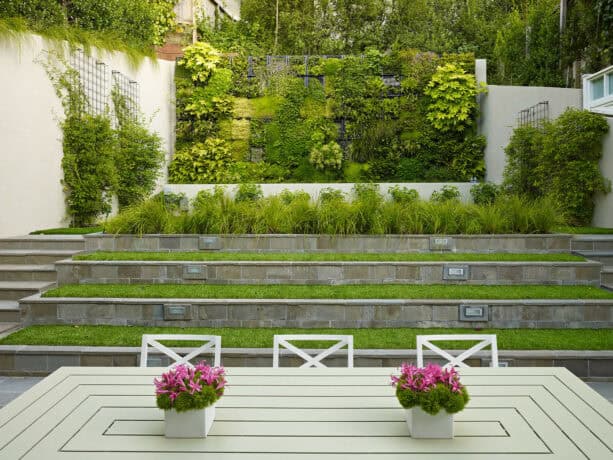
(46, 242)
(33, 256)
(602, 256)
(25, 272)
(592, 243)
(15, 290)
(9, 311)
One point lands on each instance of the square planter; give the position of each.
(188, 424)
(423, 425)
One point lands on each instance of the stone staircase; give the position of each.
(598, 248)
(27, 267)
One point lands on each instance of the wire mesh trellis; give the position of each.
(130, 91)
(94, 79)
(534, 116)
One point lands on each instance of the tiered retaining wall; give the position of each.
(243, 272)
(313, 313)
(330, 243)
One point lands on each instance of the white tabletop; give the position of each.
(109, 413)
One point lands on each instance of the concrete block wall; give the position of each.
(317, 313)
(557, 243)
(230, 272)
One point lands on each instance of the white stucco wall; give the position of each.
(499, 109)
(31, 195)
(603, 214)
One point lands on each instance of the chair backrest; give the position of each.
(211, 342)
(313, 361)
(484, 341)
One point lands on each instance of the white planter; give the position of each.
(188, 424)
(423, 425)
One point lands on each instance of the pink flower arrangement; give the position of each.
(432, 388)
(186, 387)
(425, 378)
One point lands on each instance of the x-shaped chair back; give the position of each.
(313, 361)
(456, 361)
(211, 342)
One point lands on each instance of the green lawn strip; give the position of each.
(321, 291)
(402, 338)
(334, 257)
(67, 231)
(585, 230)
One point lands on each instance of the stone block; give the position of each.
(383, 273)
(534, 313)
(131, 272)
(407, 273)
(279, 272)
(171, 242)
(535, 243)
(528, 362)
(359, 313)
(31, 362)
(456, 272)
(253, 272)
(44, 312)
(329, 273)
(598, 313)
(356, 272)
(208, 243)
(7, 361)
(188, 243)
(560, 243)
(316, 313)
(286, 243)
(562, 274)
(195, 272)
(579, 367)
(257, 312)
(442, 243)
(510, 273)
(126, 360)
(431, 274)
(97, 360)
(177, 312)
(131, 312)
(228, 272)
(145, 243)
(445, 313)
(213, 312)
(536, 274)
(483, 273)
(601, 367)
(104, 271)
(587, 274)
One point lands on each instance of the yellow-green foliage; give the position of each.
(265, 107)
(240, 129)
(201, 60)
(243, 107)
(239, 148)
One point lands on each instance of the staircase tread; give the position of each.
(9, 305)
(18, 252)
(597, 252)
(60, 238)
(26, 268)
(25, 284)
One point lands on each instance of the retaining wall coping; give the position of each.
(363, 353)
(586, 263)
(37, 298)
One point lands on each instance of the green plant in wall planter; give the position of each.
(205, 162)
(327, 156)
(200, 59)
(453, 102)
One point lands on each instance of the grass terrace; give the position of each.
(401, 338)
(362, 291)
(327, 257)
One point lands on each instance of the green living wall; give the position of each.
(396, 116)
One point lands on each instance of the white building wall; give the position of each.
(499, 109)
(603, 215)
(31, 195)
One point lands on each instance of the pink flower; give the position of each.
(425, 378)
(184, 378)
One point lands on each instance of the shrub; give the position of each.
(569, 166)
(403, 194)
(200, 59)
(453, 101)
(484, 193)
(447, 193)
(523, 155)
(209, 161)
(248, 192)
(327, 156)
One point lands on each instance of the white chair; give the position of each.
(484, 341)
(313, 361)
(211, 342)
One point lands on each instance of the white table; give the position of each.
(283, 414)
